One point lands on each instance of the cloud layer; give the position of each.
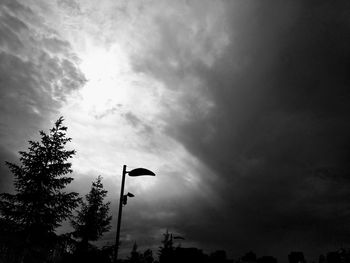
(276, 134)
(240, 107)
(38, 72)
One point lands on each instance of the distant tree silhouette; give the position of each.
(267, 259)
(296, 257)
(333, 257)
(148, 256)
(249, 257)
(137, 257)
(190, 254)
(340, 256)
(218, 256)
(322, 259)
(93, 219)
(40, 204)
(166, 251)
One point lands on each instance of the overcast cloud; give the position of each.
(277, 131)
(240, 107)
(38, 70)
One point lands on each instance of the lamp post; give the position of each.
(133, 173)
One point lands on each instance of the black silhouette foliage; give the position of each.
(166, 251)
(40, 204)
(93, 219)
(137, 257)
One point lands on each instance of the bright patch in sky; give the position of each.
(122, 115)
(210, 95)
(106, 72)
(139, 89)
(114, 116)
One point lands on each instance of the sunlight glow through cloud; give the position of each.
(239, 107)
(138, 89)
(118, 116)
(104, 70)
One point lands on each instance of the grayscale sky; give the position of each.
(240, 107)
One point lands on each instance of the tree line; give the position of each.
(30, 216)
(41, 203)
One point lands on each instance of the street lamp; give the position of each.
(133, 173)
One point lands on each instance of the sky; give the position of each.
(241, 108)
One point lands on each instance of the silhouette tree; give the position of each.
(166, 252)
(93, 219)
(218, 256)
(249, 257)
(148, 256)
(137, 257)
(40, 204)
(296, 257)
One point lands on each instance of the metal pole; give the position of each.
(119, 215)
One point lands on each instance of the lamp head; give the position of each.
(125, 198)
(140, 172)
(130, 194)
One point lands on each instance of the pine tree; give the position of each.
(93, 219)
(40, 203)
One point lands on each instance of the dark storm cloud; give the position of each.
(278, 136)
(38, 71)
